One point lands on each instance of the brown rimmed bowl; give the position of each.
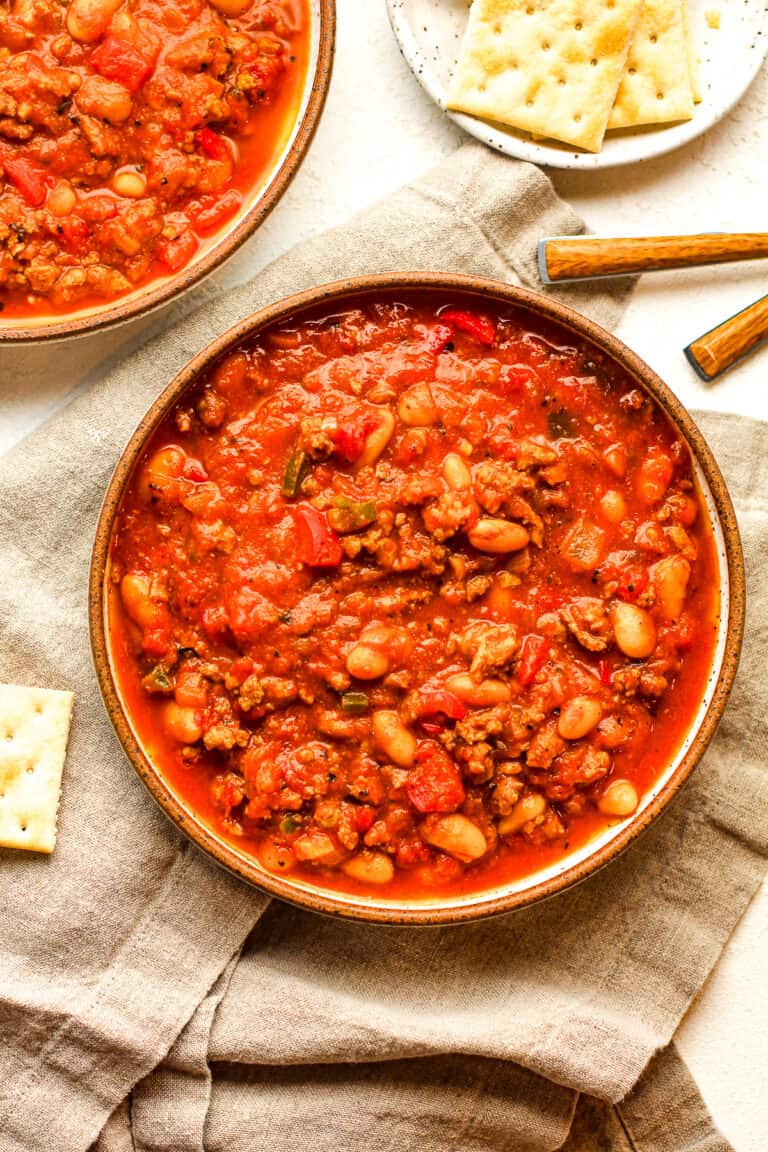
(256, 207)
(577, 864)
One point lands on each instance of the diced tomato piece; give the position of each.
(440, 702)
(350, 437)
(549, 599)
(27, 177)
(156, 641)
(480, 328)
(684, 633)
(434, 784)
(96, 209)
(317, 543)
(249, 613)
(411, 853)
(73, 232)
(178, 251)
(438, 338)
(117, 59)
(211, 144)
(194, 471)
(533, 655)
(514, 377)
(216, 210)
(215, 620)
(604, 671)
(632, 581)
(364, 818)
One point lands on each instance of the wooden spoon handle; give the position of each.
(718, 349)
(580, 257)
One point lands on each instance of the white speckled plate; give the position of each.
(430, 32)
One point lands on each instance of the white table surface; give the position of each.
(378, 131)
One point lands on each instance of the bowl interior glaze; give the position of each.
(579, 862)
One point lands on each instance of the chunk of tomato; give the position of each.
(27, 177)
(316, 542)
(434, 783)
(211, 144)
(213, 211)
(177, 252)
(533, 655)
(350, 437)
(474, 324)
(117, 59)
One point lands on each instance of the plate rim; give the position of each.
(519, 148)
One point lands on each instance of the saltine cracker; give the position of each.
(656, 87)
(34, 727)
(550, 67)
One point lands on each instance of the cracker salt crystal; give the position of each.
(550, 67)
(656, 87)
(34, 727)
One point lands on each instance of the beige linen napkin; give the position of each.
(119, 956)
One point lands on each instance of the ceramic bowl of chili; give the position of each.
(141, 142)
(416, 598)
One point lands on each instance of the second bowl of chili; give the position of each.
(140, 143)
(416, 598)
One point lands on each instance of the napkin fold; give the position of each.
(130, 964)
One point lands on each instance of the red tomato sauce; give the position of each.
(123, 156)
(413, 598)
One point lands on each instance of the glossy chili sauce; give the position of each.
(131, 134)
(413, 598)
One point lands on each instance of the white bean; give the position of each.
(366, 663)
(670, 579)
(378, 439)
(619, 799)
(456, 472)
(528, 807)
(482, 695)
(232, 7)
(61, 199)
(634, 629)
(456, 835)
(417, 407)
(370, 868)
(182, 723)
(393, 739)
(578, 716)
(88, 19)
(613, 506)
(130, 184)
(498, 536)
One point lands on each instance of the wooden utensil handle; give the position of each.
(718, 349)
(579, 257)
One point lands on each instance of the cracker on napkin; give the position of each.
(656, 87)
(550, 67)
(34, 727)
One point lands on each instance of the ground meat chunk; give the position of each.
(225, 737)
(316, 436)
(587, 620)
(488, 646)
(451, 512)
(544, 747)
(478, 725)
(530, 454)
(251, 693)
(419, 489)
(506, 792)
(495, 483)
